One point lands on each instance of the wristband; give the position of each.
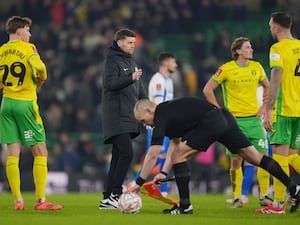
(140, 181)
(164, 173)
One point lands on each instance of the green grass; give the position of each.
(82, 209)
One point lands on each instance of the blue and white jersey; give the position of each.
(160, 88)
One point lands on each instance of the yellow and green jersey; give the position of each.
(20, 65)
(286, 55)
(239, 86)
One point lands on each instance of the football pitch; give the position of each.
(82, 209)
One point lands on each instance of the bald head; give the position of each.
(142, 105)
(144, 111)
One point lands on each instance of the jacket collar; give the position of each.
(117, 48)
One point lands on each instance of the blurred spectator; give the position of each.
(66, 158)
(205, 11)
(221, 45)
(268, 3)
(239, 11)
(204, 170)
(57, 12)
(198, 48)
(90, 160)
(26, 162)
(3, 34)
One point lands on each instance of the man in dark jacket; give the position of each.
(122, 88)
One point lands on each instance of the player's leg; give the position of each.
(280, 146)
(9, 134)
(160, 161)
(236, 140)
(263, 178)
(125, 155)
(248, 175)
(294, 158)
(148, 144)
(246, 125)
(105, 202)
(182, 176)
(259, 140)
(33, 134)
(252, 127)
(40, 172)
(236, 178)
(13, 174)
(252, 155)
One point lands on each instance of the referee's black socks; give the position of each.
(182, 176)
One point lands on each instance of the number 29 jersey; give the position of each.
(286, 55)
(17, 75)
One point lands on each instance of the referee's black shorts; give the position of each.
(217, 125)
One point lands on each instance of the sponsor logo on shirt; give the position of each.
(274, 56)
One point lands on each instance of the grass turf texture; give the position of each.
(82, 209)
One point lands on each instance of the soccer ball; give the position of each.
(130, 203)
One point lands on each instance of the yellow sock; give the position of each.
(294, 161)
(13, 176)
(263, 178)
(236, 178)
(279, 188)
(40, 172)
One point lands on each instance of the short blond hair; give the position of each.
(142, 105)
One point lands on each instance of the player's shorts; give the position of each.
(286, 131)
(20, 121)
(217, 125)
(253, 128)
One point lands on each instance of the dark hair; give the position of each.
(124, 33)
(16, 22)
(237, 44)
(163, 56)
(282, 19)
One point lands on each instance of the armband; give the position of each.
(140, 181)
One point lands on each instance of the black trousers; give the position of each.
(122, 154)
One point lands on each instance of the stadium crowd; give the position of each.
(71, 36)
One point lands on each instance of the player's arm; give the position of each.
(150, 160)
(39, 66)
(276, 75)
(168, 163)
(262, 110)
(148, 164)
(209, 94)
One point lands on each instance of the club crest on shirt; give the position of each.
(218, 72)
(158, 87)
(35, 49)
(253, 72)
